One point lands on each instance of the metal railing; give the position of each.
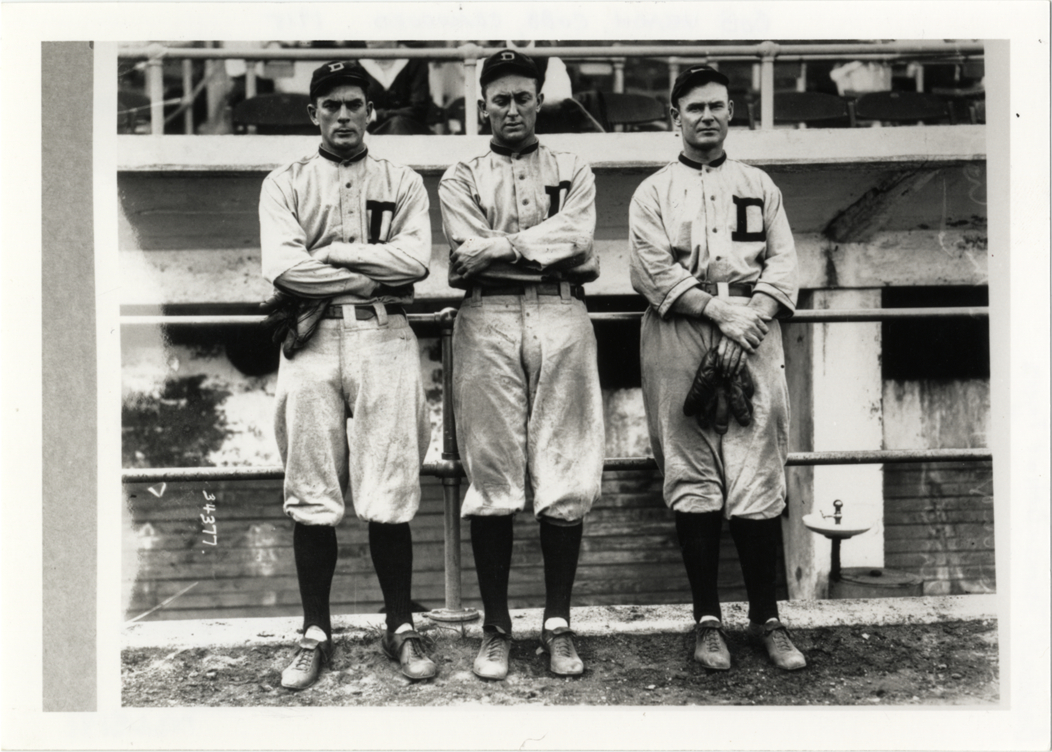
(764, 55)
(450, 470)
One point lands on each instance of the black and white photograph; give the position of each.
(616, 376)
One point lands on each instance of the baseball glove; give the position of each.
(701, 397)
(292, 319)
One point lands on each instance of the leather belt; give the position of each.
(734, 290)
(542, 288)
(362, 312)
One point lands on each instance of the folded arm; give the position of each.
(286, 261)
(405, 257)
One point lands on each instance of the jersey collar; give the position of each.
(698, 165)
(341, 160)
(504, 151)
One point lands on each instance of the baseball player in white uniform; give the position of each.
(345, 235)
(712, 252)
(520, 221)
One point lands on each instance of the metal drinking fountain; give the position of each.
(835, 531)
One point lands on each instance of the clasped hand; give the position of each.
(743, 329)
(475, 255)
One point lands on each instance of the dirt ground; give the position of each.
(952, 664)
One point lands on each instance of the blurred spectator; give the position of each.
(400, 92)
(861, 77)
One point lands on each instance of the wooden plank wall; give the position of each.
(629, 555)
(939, 524)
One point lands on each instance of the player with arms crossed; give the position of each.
(712, 252)
(344, 237)
(520, 220)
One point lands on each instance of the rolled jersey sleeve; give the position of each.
(779, 276)
(653, 269)
(406, 257)
(286, 261)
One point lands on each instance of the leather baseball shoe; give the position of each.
(492, 660)
(558, 643)
(780, 648)
(311, 654)
(710, 646)
(407, 648)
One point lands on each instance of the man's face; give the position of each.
(511, 105)
(342, 115)
(703, 115)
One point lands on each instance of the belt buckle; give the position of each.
(723, 290)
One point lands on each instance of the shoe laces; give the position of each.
(412, 649)
(710, 639)
(494, 647)
(303, 659)
(562, 645)
(780, 636)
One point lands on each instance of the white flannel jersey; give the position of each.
(721, 222)
(376, 209)
(542, 200)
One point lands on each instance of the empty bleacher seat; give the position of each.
(275, 114)
(894, 107)
(804, 108)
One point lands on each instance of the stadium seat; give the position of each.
(894, 107)
(634, 112)
(804, 109)
(275, 114)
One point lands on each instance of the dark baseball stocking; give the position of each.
(699, 540)
(491, 540)
(757, 544)
(314, 548)
(391, 547)
(561, 547)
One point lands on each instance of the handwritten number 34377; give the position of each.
(207, 519)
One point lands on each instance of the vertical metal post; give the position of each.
(801, 79)
(188, 99)
(673, 73)
(767, 53)
(619, 75)
(471, 95)
(454, 611)
(250, 87)
(250, 79)
(155, 89)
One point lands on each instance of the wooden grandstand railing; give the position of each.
(763, 54)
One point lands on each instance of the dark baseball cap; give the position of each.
(696, 75)
(506, 63)
(335, 73)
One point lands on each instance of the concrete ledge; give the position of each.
(590, 621)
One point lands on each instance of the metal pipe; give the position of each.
(471, 53)
(612, 464)
(715, 52)
(804, 316)
(768, 51)
(450, 486)
(619, 75)
(188, 97)
(155, 89)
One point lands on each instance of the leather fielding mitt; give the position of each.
(292, 320)
(740, 392)
(714, 397)
(701, 397)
